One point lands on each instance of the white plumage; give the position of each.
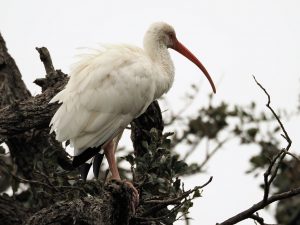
(111, 86)
(106, 91)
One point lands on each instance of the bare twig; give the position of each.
(280, 156)
(192, 149)
(274, 114)
(163, 203)
(269, 177)
(291, 154)
(268, 172)
(212, 152)
(176, 208)
(258, 219)
(260, 205)
(51, 187)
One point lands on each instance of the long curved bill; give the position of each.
(184, 51)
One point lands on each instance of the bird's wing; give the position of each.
(105, 92)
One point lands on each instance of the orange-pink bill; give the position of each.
(184, 51)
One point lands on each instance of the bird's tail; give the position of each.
(70, 165)
(85, 156)
(81, 162)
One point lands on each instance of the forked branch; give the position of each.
(269, 177)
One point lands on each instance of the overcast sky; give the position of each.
(234, 39)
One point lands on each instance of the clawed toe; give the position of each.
(135, 194)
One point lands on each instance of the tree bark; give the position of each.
(111, 208)
(24, 127)
(11, 211)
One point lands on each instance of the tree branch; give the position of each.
(46, 59)
(259, 219)
(12, 212)
(280, 156)
(176, 201)
(12, 87)
(260, 205)
(113, 207)
(269, 175)
(33, 112)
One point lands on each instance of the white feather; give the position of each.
(112, 85)
(105, 93)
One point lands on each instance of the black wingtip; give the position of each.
(65, 163)
(84, 170)
(97, 163)
(85, 156)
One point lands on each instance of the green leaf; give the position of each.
(252, 132)
(197, 194)
(145, 144)
(129, 158)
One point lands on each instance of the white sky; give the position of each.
(234, 39)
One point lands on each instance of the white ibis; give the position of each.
(111, 87)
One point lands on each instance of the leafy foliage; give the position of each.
(158, 172)
(157, 175)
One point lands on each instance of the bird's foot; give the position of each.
(135, 194)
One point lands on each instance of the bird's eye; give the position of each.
(171, 35)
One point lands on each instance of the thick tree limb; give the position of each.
(11, 211)
(25, 138)
(24, 122)
(34, 112)
(31, 112)
(12, 90)
(112, 208)
(141, 126)
(12, 87)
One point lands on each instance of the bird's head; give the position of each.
(164, 35)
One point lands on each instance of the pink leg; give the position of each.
(109, 151)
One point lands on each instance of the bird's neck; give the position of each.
(161, 58)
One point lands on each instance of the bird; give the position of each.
(111, 86)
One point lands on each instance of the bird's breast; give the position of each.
(164, 79)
